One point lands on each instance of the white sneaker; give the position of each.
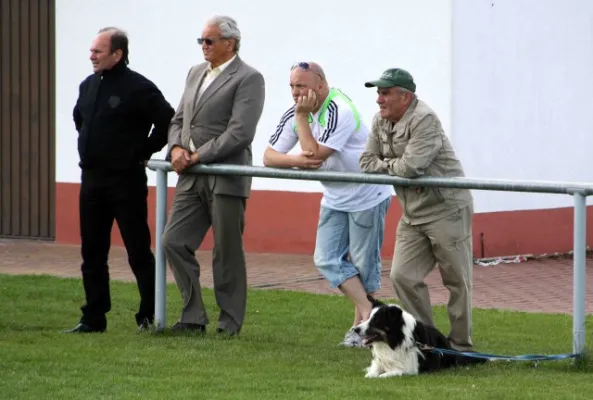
(351, 339)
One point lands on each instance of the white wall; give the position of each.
(523, 94)
(510, 80)
(354, 41)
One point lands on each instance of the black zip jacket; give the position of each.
(113, 115)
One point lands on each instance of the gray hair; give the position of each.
(229, 29)
(402, 90)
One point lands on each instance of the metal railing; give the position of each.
(579, 191)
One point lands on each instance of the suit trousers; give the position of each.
(195, 209)
(105, 197)
(448, 243)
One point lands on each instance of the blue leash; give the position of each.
(494, 357)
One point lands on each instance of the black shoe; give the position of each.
(222, 331)
(188, 327)
(83, 328)
(144, 326)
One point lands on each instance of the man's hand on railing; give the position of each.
(305, 160)
(180, 159)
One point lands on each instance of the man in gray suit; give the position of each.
(214, 123)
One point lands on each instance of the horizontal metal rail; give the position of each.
(578, 190)
(317, 175)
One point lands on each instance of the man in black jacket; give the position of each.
(115, 111)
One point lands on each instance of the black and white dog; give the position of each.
(398, 342)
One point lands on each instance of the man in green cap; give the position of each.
(407, 140)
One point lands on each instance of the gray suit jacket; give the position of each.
(222, 124)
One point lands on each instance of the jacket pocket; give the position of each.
(421, 199)
(398, 141)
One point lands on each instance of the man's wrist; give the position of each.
(295, 161)
(195, 157)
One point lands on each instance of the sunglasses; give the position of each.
(306, 67)
(208, 41)
(301, 65)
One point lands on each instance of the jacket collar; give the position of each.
(222, 78)
(116, 70)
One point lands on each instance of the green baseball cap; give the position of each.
(394, 77)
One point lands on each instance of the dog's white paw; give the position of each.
(391, 373)
(371, 373)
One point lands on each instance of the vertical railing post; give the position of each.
(579, 273)
(160, 314)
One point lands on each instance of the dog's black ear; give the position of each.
(394, 313)
(374, 302)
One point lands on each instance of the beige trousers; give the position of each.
(448, 243)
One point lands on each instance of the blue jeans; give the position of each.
(349, 244)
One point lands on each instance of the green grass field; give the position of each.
(287, 350)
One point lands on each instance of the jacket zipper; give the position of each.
(390, 141)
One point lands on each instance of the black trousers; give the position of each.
(105, 197)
